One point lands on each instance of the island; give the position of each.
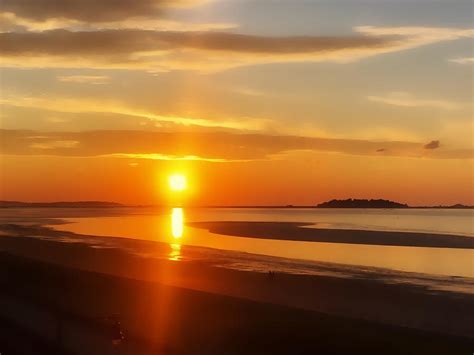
(361, 203)
(381, 203)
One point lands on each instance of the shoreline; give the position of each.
(235, 260)
(162, 299)
(373, 299)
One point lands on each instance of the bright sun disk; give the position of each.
(177, 182)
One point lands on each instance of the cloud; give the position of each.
(169, 157)
(52, 144)
(91, 10)
(204, 51)
(418, 34)
(84, 79)
(404, 99)
(466, 60)
(164, 50)
(9, 22)
(248, 91)
(432, 145)
(61, 42)
(72, 105)
(54, 119)
(202, 146)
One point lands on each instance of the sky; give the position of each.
(257, 102)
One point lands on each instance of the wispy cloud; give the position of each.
(465, 60)
(166, 50)
(92, 10)
(416, 36)
(206, 146)
(405, 99)
(9, 22)
(169, 157)
(205, 51)
(141, 34)
(84, 79)
(52, 144)
(247, 91)
(73, 105)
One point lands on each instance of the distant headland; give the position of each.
(380, 203)
(72, 204)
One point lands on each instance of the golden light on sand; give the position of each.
(177, 182)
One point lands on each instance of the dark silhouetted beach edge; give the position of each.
(162, 319)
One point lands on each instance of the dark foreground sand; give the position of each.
(298, 232)
(160, 319)
(189, 308)
(171, 307)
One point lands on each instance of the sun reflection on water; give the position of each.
(177, 223)
(177, 228)
(175, 253)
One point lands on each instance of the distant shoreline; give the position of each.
(117, 205)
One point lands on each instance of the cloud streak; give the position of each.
(72, 105)
(165, 157)
(9, 22)
(84, 79)
(91, 10)
(404, 99)
(52, 144)
(465, 60)
(204, 146)
(204, 51)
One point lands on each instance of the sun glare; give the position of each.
(177, 222)
(177, 182)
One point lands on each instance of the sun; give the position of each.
(177, 182)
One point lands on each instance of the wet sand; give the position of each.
(300, 232)
(383, 297)
(162, 319)
(174, 307)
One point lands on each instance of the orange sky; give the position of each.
(323, 99)
(305, 179)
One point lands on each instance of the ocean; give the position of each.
(180, 242)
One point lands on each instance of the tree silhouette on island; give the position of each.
(361, 203)
(379, 203)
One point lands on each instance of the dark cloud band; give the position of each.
(62, 42)
(88, 10)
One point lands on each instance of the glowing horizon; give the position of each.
(294, 109)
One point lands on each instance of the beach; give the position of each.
(212, 177)
(181, 307)
(157, 318)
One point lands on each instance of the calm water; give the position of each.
(168, 226)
